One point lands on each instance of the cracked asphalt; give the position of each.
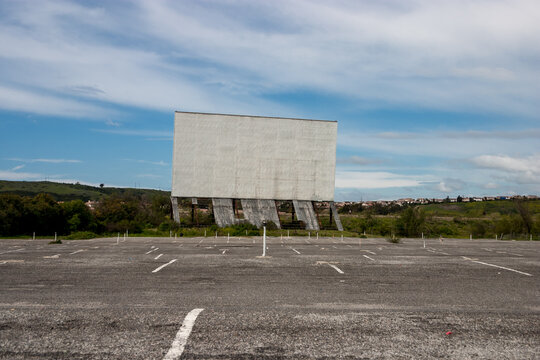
(96, 299)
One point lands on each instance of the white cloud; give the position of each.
(225, 56)
(446, 144)
(42, 160)
(376, 180)
(18, 167)
(12, 175)
(521, 170)
(357, 160)
(449, 185)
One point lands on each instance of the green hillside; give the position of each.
(66, 192)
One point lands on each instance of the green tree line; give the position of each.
(23, 215)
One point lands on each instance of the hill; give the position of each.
(66, 192)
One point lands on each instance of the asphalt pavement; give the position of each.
(309, 298)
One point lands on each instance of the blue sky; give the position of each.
(433, 98)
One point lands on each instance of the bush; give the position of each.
(80, 235)
(393, 240)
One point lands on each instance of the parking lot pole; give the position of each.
(264, 240)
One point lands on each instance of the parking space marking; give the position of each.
(497, 266)
(515, 254)
(179, 343)
(78, 251)
(296, 251)
(224, 251)
(371, 252)
(157, 257)
(151, 251)
(335, 268)
(9, 251)
(370, 258)
(162, 266)
(52, 256)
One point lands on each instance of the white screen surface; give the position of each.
(243, 157)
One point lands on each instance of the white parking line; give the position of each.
(75, 252)
(157, 257)
(296, 251)
(224, 251)
(515, 254)
(162, 266)
(369, 258)
(201, 241)
(5, 252)
(52, 256)
(336, 268)
(179, 343)
(498, 266)
(371, 252)
(151, 251)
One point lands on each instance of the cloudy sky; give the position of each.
(433, 98)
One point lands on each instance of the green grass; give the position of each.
(66, 192)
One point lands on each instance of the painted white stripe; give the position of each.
(201, 241)
(157, 257)
(307, 241)
(515, 254)
(52, 256)
(75, 252)
(336, 268)
(179, 343)
(296, 251)
(487, 249)
(5, 252)
(151, 251)
(349, 245)
(502, 267)
(224, 251)
(371, 252)
(369, 258)
(162, 266)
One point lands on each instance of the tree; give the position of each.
(523, 211)
(411, 222)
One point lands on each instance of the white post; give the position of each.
(170, 233)
(422, 235)
(281, 237)
(55, 236)
(264, 240)
(470, 236)
(216, 234)
(288, 237)
(127, 233)
(204, 232)
(34, 236)
(496, 237)
(227, 237)
(424, 243)
(317, 236)
(118, 239)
